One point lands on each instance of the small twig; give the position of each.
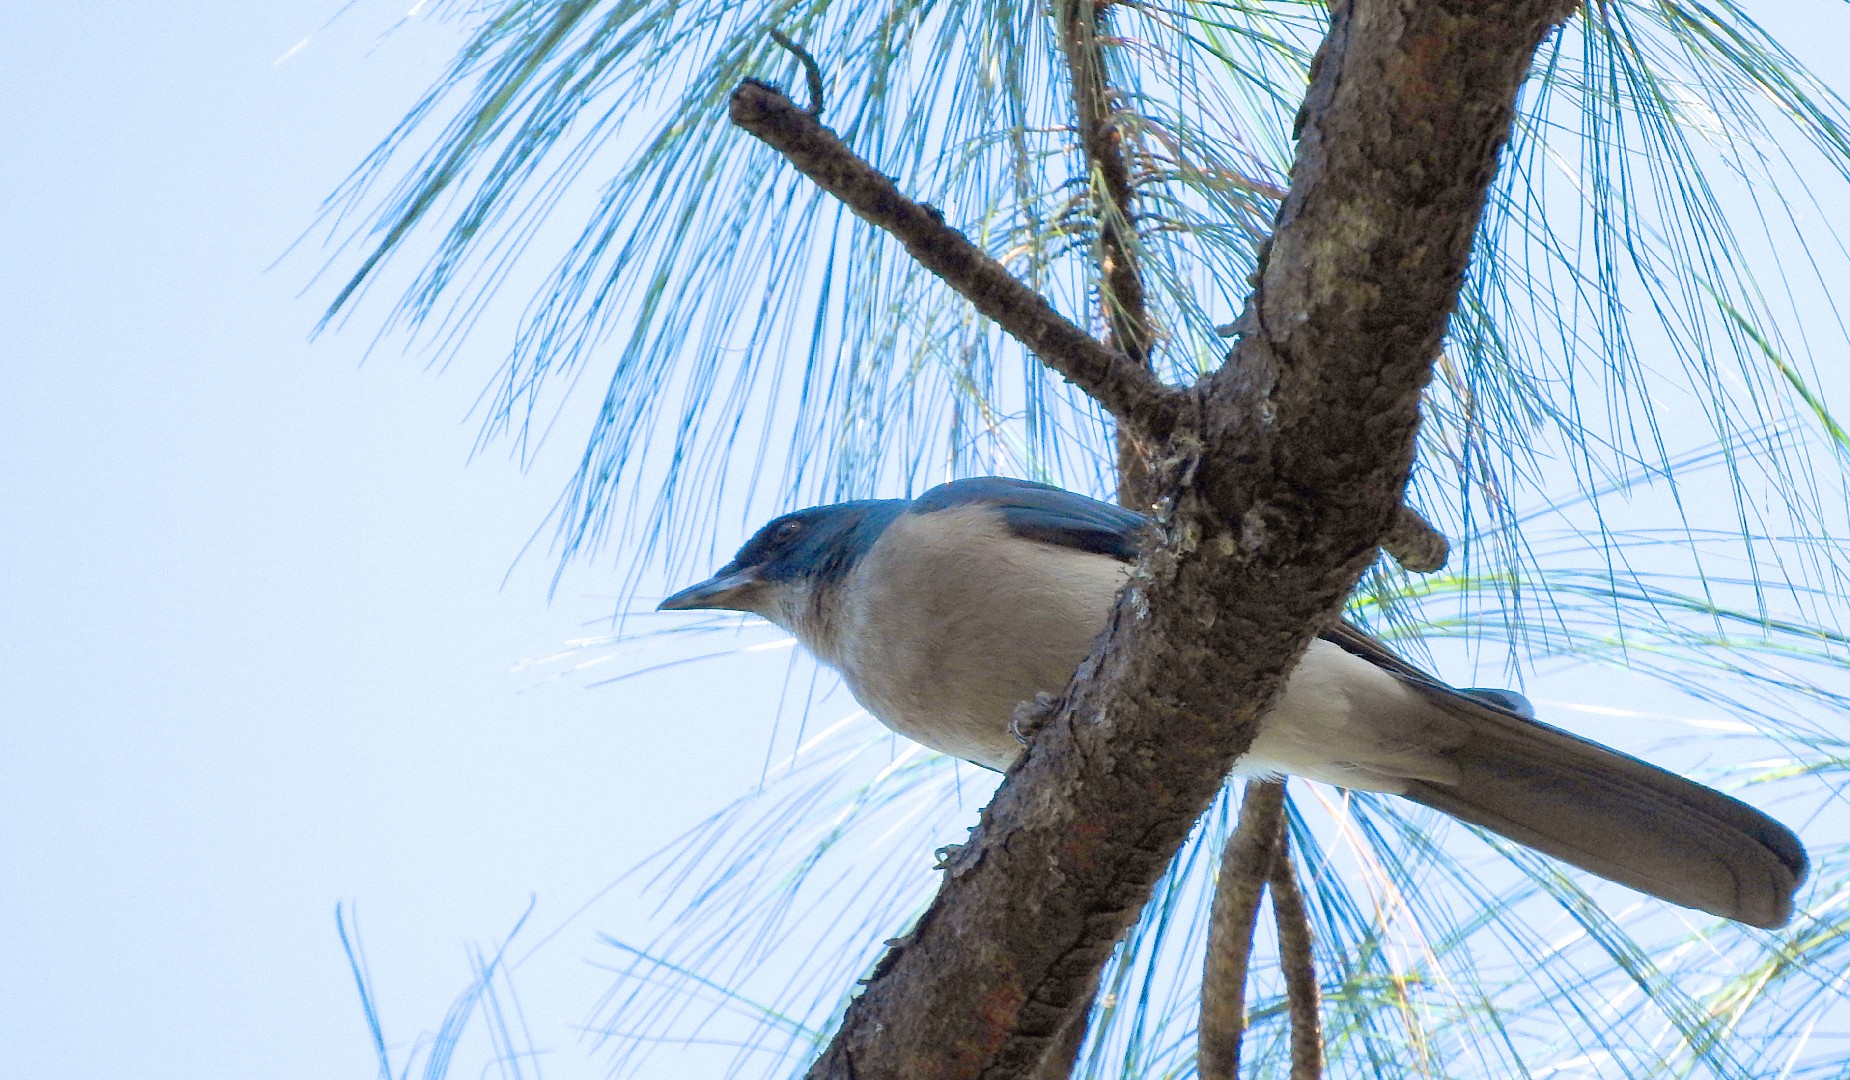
(1120, 277)
(1121, 287)
(1294, 956)
(1414, 543)
(811, 70)
(1246, 864)
(1124, 387)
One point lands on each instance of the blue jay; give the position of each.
(942, 613)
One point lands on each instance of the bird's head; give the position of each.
(790, 570)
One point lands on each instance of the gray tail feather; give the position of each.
(1618, 817)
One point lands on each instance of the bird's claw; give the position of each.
(1032, 715)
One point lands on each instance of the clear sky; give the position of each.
(256, 647)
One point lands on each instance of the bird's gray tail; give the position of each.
(1615, 816)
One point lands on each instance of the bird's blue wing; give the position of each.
(1046, 514)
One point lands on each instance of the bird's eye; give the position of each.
(787, 530)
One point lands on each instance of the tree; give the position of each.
(1129, 160)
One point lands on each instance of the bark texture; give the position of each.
(1278, 480)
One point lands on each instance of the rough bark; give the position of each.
(1278, 485)
(1062, 1054)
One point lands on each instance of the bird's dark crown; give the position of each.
(821, 542)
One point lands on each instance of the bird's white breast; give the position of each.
(952, 621)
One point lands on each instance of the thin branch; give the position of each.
(1245, 866)
(1300, 967)
(812, 71)
(1126, 390)
(1121, 288)
(1415, 543)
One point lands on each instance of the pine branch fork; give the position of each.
(1274, 480)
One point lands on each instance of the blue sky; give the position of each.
(259, 628)
(257, 650)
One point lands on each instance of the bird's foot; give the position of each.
(1030, 716)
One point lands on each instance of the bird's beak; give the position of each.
(724, 591)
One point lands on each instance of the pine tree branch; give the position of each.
(1120, 384)
(1121, 287)
(1299, 965)
(1246, 865)
(1121, 290)
(1279, 480)
(812, 71)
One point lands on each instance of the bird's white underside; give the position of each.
(982, 635)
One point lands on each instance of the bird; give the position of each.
(944, 613)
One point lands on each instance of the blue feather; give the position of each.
(1045, 514)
